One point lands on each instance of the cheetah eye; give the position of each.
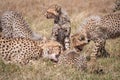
(66, 30)
(81, 38)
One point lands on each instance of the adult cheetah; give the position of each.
(97, 29)
(14, 25)
(62, 29)
(21, 50)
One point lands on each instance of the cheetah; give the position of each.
(21, 51)
(74, 59)
(97, 29)
(14, 25)
(62, 29)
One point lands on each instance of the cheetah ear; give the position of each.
(58, 8)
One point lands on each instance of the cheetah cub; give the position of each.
(62, 29)
(74, 59)
(97, 29)
(14, 25)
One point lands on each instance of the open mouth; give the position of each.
(48, 17)
(55, 61)
(78, 48)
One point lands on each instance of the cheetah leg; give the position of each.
(99, 48)
(95, 49)
(103, 51)
(54, 32)
(54, 36)
(67, 43)
(93, 56)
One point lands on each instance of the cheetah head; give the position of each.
(53, 11)
(78, 41)
(52, 50)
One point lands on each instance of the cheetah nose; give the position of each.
(88, 40)
(57, 56)
(80, 49)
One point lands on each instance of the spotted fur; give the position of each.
(98, 29)
(21, 50)
(74, 59)
(14, 25)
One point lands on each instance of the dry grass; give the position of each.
(33, 12)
